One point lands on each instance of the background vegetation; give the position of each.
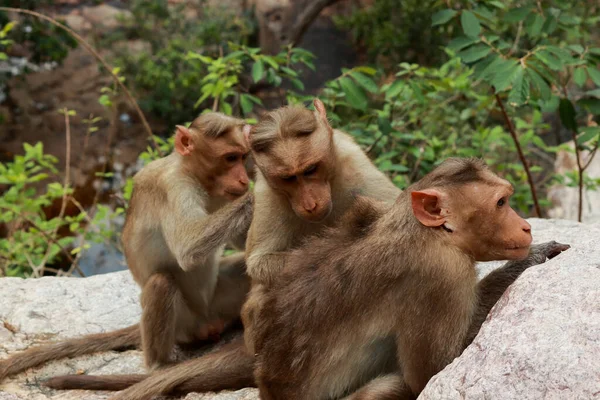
(455, 78)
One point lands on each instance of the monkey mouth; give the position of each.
(235, 193)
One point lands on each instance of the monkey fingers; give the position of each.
(540, 252)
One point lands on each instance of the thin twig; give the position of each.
(517, 38)
(90, 49)
(513, 133)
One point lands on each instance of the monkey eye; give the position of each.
(290, 178)
(501, 202)
(231, 157)
(244, 157)
(310, 170)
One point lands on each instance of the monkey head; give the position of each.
(214, 150)
(475, 216)
(293, 149)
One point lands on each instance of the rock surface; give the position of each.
(540, 341)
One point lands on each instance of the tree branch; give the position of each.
(306, 17)
(513, 133)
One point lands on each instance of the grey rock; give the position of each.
(540, 341)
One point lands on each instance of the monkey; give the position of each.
(184, 208)
(351, 174)
(380, 318)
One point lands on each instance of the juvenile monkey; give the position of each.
(184, 208)
(380, 318)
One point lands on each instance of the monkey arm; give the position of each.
(193, 235)
(264, 268)
(493, 286)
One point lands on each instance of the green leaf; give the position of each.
(540, 84)
(595, 93)
(417, 91)
(551, 105)
(590, 105)
(246, 104)
(443, 16)
(354, 94)
(550, 25)
(395, 88)
(534, 24)
(461, 42)
(566, 111)
(519, 94)
(297, 84)
(588, 133)
(550, 60)
(594, 74)
(474, 53)
(366, 70)
(503, 80)
(258, 70)
(517, 14)
(470, 24)
(364, 81)
(579, 76)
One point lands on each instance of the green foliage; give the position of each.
(224, 83)
(44, 41)
(164, 77)
(34, 242)
(411, 123)
(392, 31)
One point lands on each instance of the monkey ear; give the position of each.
(426, 207)
(246, 129)
(320, 107)
(184, 144)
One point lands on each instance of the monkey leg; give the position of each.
(387, 387)
(493, 286)
(250, 310)
(230, 294)
(160, 302)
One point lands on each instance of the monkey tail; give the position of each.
(229, 368)
(94, 382)
(116, 340)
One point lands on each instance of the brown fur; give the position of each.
(398, 301)
(180, 215)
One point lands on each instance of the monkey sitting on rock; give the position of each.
(184, 208)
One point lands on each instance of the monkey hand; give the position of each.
(540, 252)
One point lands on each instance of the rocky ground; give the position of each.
(540, 341)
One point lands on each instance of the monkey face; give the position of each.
(477, 218)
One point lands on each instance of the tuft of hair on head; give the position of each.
(284, 122)
(215, 124)
(453, 172)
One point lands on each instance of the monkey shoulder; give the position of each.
(359, 173)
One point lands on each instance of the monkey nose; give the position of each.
(311, 207)
(527, 227)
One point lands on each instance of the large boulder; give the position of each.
(540, 340)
